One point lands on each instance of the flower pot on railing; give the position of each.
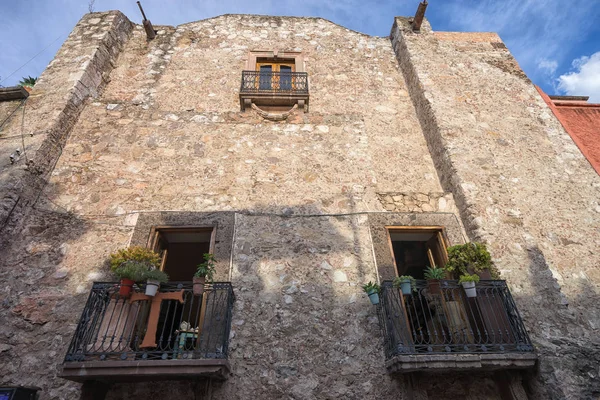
(125, 287)
(372, 290)
(152, 287)
(470, 289)
(405, 287)
(374, 297)
(433, 276)
(433, 285)
(199, 285)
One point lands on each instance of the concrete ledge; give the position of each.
(460, 362)
(139, 371)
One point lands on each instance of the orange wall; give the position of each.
(582, 121)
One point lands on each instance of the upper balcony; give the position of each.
(274, 89)
(173, 335)
(445, 330)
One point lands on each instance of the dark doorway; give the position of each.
(182, 250)
(415, 249)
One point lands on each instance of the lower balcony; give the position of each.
(173, 335)
(442, 329)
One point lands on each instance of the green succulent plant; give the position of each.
(371, 287)
(434, 273)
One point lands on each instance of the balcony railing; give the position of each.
(173, 326)
(447, 322)
(274, 82)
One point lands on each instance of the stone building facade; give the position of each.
(122, 135)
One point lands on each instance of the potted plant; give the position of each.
(205, 271)
(129, 272)
(131, 263)
(372, 289)
(433, 276)
(471, 258)
(468, 283)
(406, 283)
(28, 83)
(154, 277)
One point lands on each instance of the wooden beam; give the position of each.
(13, 93)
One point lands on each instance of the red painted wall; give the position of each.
(582, 121)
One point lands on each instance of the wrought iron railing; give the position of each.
(175, 324)
(428, 322)
(274, 82)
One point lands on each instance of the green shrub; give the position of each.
(206, 268)
(468, 278)
(133, 270)
(470, 257)
(156, 275)
(135, 253)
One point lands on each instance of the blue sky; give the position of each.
(556, 42)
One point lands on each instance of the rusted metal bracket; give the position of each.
(150, 32)
(419, 16)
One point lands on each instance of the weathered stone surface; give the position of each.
(163, 142)
(512, 170)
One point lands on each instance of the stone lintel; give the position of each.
(460, 362)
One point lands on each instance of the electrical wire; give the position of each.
(31, 59)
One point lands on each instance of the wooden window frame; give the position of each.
(156, 230)
(442, 237)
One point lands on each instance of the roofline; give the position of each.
(283, 16)
(569, 98)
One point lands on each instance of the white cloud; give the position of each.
(547, 66)
(584, 80)
(528, 27)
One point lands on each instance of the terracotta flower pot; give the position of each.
(126, 286)
(434, 286)
(199, 285)
(485, 275)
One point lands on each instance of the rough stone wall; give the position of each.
(166, 133)
(522, 186)
(79, 70)
(39, 310)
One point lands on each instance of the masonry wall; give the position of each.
(521, 185)
(162, 132)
